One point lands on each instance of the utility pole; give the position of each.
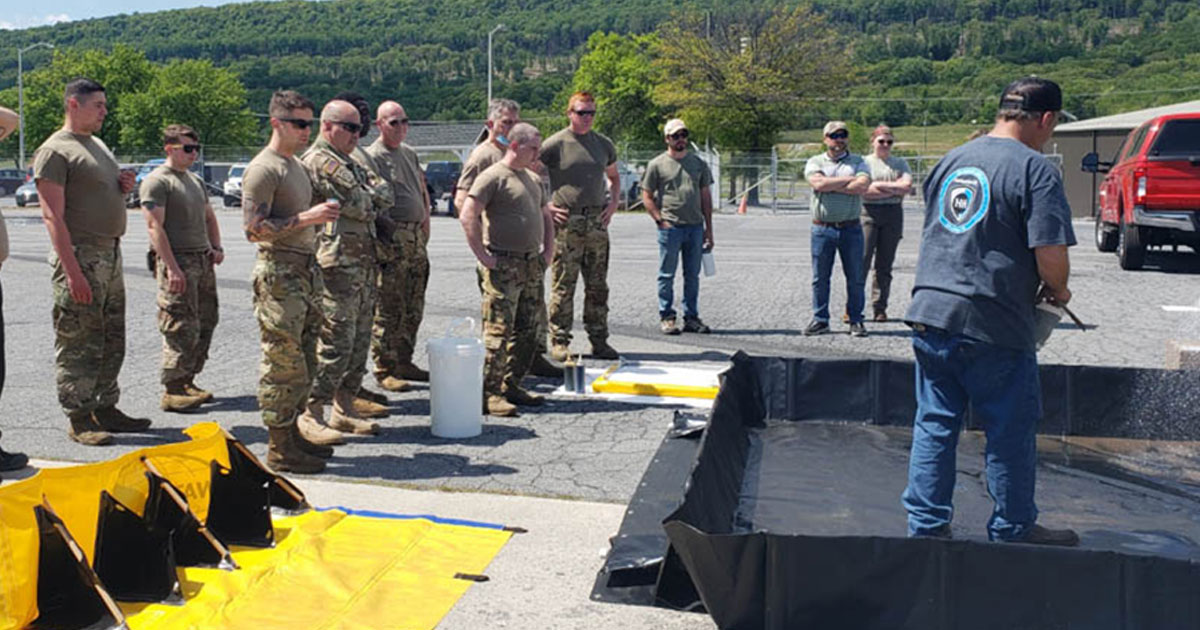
(490, 33)
(21, 103)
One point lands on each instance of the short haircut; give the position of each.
(283, 102)
(881, 130)
(174, 134)
(81, 89)
(364, 110)
(498, 106)
(522, 134)
(577, 97)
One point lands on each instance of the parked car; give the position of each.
(631, 184)
(27, 194)
(442, 177)
(232, 190)
(10, 180)
(1150, 196)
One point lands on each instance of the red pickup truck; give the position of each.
(1151, 193)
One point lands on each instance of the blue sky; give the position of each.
(29, 14)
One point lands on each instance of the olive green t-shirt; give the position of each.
(676, 186)
(283, 185)
(184, 201)
(576, 165)
(888, 170)
(91, 179)
(512, 208)
(402, 168)
(480, 159)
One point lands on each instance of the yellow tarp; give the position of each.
(658, 380)
(328, 570)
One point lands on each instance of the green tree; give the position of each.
(617, 70)
(193, 92)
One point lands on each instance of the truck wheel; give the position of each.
(1106, 237)
(1130, 250)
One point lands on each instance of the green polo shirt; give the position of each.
(834, 207)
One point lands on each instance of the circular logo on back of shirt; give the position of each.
(963, 199)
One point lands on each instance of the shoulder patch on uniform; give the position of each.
(330, 166)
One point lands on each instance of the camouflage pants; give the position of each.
(580, 246)
(186, 320)
(512, 298)
(287, 304)
(89, 339)
(347, 307)
(401, 300)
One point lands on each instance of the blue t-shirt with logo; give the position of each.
(989, 203)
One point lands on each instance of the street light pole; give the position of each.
(490, 33)
(21, 103)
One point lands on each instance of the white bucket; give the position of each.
(456, 382)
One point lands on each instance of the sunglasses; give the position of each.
(585, 112)
(300, 123)
(885, 142)
(396, 122)
(188, 148)
(839, 135)
(352, 127)
(679, 135)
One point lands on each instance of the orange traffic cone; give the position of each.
(742, 205)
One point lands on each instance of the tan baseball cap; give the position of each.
(835, 125)
(674, 126)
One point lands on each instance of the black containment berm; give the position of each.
(789, 515)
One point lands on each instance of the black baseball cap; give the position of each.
(1032, 94)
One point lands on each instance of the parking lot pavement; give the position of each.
(581, 449)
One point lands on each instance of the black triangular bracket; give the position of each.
(134, 562)
(284, 495)
(69, 594)
(239, 507)
(167, 510)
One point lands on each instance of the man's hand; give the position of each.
(609, 211)
(708, 239)
(324, 212)
(1057, 297)
(561, 215)
(80, 290)
(487, 260)
(176, 281)
(425, 227)
(548, 255)
(128, 179)
(217, 256)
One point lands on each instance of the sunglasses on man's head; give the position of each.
(352, 127)
(585, 112)
(396, 122)
(839, 135)
(300, 123)
(189, 148)
(679, 135)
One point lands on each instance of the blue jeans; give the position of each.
(688, 240)
(847, 243)
(1001, 385)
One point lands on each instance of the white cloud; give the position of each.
(31, 21)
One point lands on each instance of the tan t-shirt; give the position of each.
(91, 179)
(184, 201)
(480, 159)
(576, 165)
(402, 168)
(512, 208)
(283, 185)
(677, 185)
(889, 170)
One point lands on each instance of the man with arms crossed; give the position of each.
(510, 229)
(187, 243)
(997, 228)
(82, 193)
(280, 212)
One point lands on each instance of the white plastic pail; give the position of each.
(456, 381)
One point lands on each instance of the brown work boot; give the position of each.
(177, 398)
(86, 431)
(324, 452)
(542, 367)
(392, 384)
(203, 394)
(560, 351)
(284, 453)
(374, 397)
(311, 425)
(522, 397)
(346, 420)
(114, 420)
(601, 350)
(366, 408)
(496, 405)
(409, 371)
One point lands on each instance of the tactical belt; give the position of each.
(586, 210)
(411, 226)
(836, 224)
(500, 253)
(92, 240)
(286, 256)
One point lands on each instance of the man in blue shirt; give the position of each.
(995, 238)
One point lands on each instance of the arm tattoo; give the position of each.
(261, 227)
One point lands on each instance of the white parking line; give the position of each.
(1180, 309)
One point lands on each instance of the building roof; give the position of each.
(438, 136)
(1127, 120)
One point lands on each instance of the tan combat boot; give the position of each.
(177, 398)
(374, 397)
(367, 408)
(114, 420)
(284, 453)
(496, 405)
(203, 394)
(559, 351)
(86, 431)
(601, 350)
(407, 370)
(392, 384)
(324, 452)
(520, 396)
(311, 425)
(345, 419)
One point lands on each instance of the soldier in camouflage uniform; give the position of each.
(582, 166)
(82, 193)
(404, 267)
(280, 216)
(346, 256)
(509, 229)
(186, 242)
